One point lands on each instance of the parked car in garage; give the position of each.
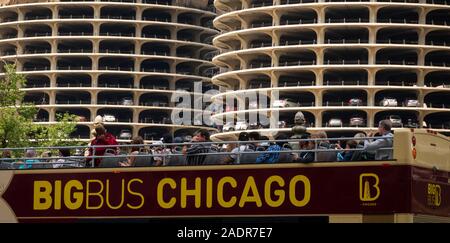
(228, 127)
(389, 102)
(412, 124)
(125, 134)
(109, 118)
(355, 102)
(411, 103)
(127, 101)
(395, 120)
(284, 103)
(335, 122)
(241, 125)
(357, 121)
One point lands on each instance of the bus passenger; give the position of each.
(384, 129)
(347, 154)
(196, 153)
(134, 151)
(307, 156)
(270, 158)
(102, 138)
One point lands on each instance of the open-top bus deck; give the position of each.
(413, 187)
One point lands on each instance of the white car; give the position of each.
(396, 121)
(127, 101)
(228, 127)
(241, 125)
(411, 103)
(283, 103)
(109, 118)
(335, 122)
(125, 134)
(389, 102)
(253, 105)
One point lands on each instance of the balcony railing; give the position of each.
(37, 51)
(297, 1)
(260, 45)
(297, 63)
(37, 17)
(344, 82)
(72, 85)
(347, 20)
(73, 16)
(297, 42)
(38, 34)
(346, 41)
(155, 70)
(393, 41)
(74, 50)
(120, 34)
(156, 53)
(154, 87)
(117, 17)
(74, 67)
(438, 22)
(155, 36)
(396, 62)
(36, 68)
(345, 62)
(395, 83)
(398, 21)
(75, 33)
(116, 68)
(300, 21)
(296, 84)
(117, 85)
(116, 51)
(73, 102)
(154, 103)
(157, 2)
(438, 43)
(156, 19)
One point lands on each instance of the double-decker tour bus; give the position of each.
(412, 187)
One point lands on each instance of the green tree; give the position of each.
(56, 134)
(16, 117)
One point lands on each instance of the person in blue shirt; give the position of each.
(29, 154)
(270, 158)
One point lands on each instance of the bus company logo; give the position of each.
(369, 189)
(434, 195)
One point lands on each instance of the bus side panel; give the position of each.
(430, 192)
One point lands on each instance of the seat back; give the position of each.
(5, 166)
(143, 161)
(285, 156)
(177, 159)
(110, 162)
(249, 158)
(326, 156)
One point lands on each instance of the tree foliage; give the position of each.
(16, 117)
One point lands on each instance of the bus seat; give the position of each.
(110, 162)
(177, 159)
(5, 166)
(143, 161)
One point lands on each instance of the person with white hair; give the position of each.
(29, 154)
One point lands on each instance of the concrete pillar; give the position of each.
(372, 55)
(318, 120)
(53, 80)
(422, 34)
(371, 74)
(51, 114)
(52, 97)
(319, 77)
(420, 77)
(94, 97)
